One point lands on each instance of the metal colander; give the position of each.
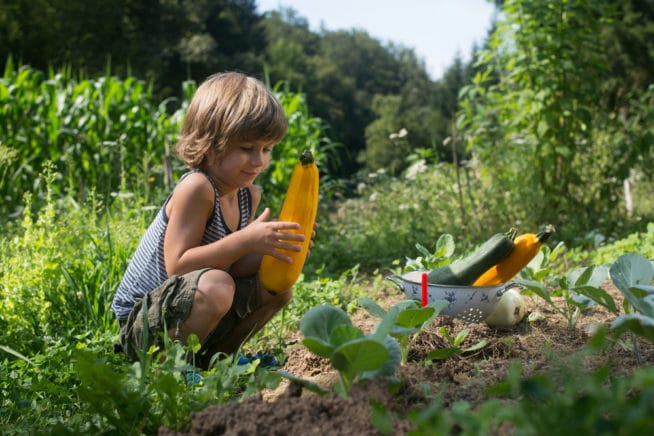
(472, 304)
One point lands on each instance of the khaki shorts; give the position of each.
(170, 304)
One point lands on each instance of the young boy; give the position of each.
(198, 261)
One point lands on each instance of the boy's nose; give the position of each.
(258, 159)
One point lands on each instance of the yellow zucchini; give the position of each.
(300, 206)
(463, 272)
(525, 248)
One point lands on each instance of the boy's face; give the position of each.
(241, 164)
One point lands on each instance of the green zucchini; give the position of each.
(464, 272)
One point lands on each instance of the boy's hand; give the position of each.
(313, 235)
(269, 237)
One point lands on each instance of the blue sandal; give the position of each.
(266, 360)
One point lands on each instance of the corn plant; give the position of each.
(109, 135)
(101, 133)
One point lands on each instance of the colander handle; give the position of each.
(508, 286)
(397, 280)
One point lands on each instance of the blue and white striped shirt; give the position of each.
(147, 268)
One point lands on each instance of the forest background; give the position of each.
(560, 117)
(549, 123)
(552, 122)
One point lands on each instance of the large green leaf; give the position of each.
(634, 322)
(320, 321)
(538, 289)
(642, 291)
(420, 316)
(360, 355)
(445, 246)
(405, 318)
(598, 295)
(642, 301)
(392, 363)
(344, 333)
(372, 307)
(412, 318)
(630, 270)
(589, 276)
(319, 347)
(387, 324)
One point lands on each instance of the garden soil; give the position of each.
(538, 342)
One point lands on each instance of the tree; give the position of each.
(446, 102)
(539, 117)
(290, 46)
(162, 41)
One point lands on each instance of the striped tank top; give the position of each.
(147, 269)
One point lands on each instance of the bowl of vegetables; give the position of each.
(474, 286)
(470, 303)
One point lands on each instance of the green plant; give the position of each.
(38, 389)
(384, 218)
(632, 274)
(442, 253)
(436, 417)
(341, 291)
(405, 319)
(103, 134)
(570, 398)
(455, 345)
(61, 267)
(329, 333)
(606, 252)
(565, 398)
(110, 135)
(162, 389)
(535, 116)
(579, 288)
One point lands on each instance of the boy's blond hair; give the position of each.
(228, 109)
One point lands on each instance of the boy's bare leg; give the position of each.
(211, 302)
(251, 324)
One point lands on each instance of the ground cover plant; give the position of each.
(446, 375)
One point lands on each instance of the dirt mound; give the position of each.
(293, 410)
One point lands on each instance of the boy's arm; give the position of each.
(189, 209)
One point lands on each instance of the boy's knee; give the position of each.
(215, 292)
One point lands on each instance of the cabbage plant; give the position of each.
(328, 332)
(633, 274)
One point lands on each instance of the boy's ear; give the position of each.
(211, 157)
